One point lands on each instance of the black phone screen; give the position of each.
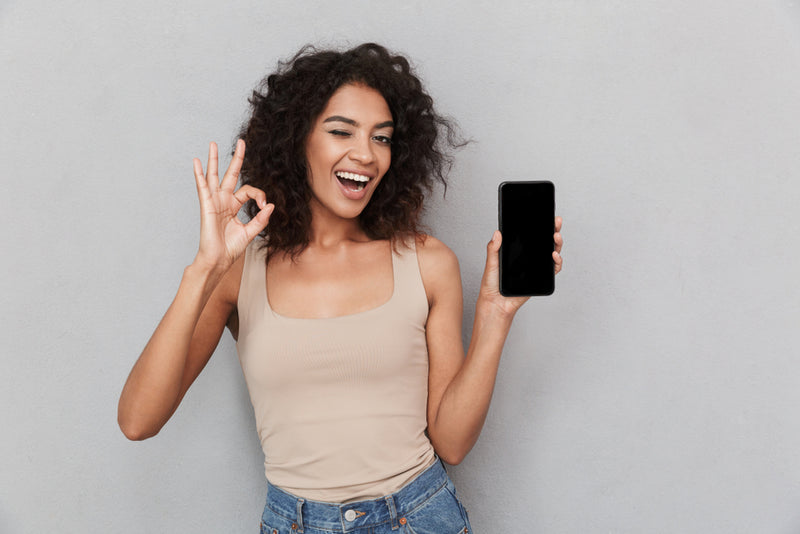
(527, 222)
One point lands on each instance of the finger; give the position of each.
(200, 181)
(259, 222)
(213, 167)
(495, 242)
(232, 173)
(558, 262)
(559, 241)
(492, 249)
(558, 224)
(247, 192)
(198, 173)
(497, 238)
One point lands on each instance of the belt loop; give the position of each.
(392, 511)
(300, 514)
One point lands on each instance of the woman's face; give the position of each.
(348, 151)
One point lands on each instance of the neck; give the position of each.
(327, 230)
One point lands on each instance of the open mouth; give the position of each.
(351, 180)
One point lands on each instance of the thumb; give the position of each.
(492, 257)
(494, 245)
(497, 239)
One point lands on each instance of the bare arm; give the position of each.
(192, 326)
(460, 387)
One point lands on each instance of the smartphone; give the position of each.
(527, 221)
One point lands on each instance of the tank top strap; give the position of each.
(409, 290)
(253, 287)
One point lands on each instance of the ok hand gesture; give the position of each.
(223, 237)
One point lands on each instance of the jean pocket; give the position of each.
(274, 523)
(441, 514)
(266, 529)
(452, 489)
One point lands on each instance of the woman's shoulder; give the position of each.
(434, 250)
(438, 265)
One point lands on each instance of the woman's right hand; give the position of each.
(223, 237)
(191, 328)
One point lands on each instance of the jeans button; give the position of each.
(350, 515)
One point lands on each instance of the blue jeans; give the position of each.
(426, 505)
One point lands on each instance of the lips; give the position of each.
(352, 181)
(352, 185)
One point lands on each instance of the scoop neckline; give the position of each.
(268, 306)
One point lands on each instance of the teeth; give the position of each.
(352, 176)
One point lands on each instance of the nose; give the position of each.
(362, 150)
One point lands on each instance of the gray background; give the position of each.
(656, 391)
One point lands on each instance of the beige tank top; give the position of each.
(340, 403)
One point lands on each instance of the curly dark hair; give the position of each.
(284, 108)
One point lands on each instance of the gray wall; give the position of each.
(656, 391)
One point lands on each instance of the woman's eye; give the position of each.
(386, 140)
(340, 133)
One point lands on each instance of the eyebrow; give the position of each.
(339, 118)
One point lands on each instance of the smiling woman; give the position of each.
(347, 317)
(288, 103)
(348, 151)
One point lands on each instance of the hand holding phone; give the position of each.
(527, 221)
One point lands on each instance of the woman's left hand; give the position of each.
(490, 283)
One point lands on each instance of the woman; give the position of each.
(347, 317)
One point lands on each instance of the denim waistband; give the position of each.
(360, 514)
